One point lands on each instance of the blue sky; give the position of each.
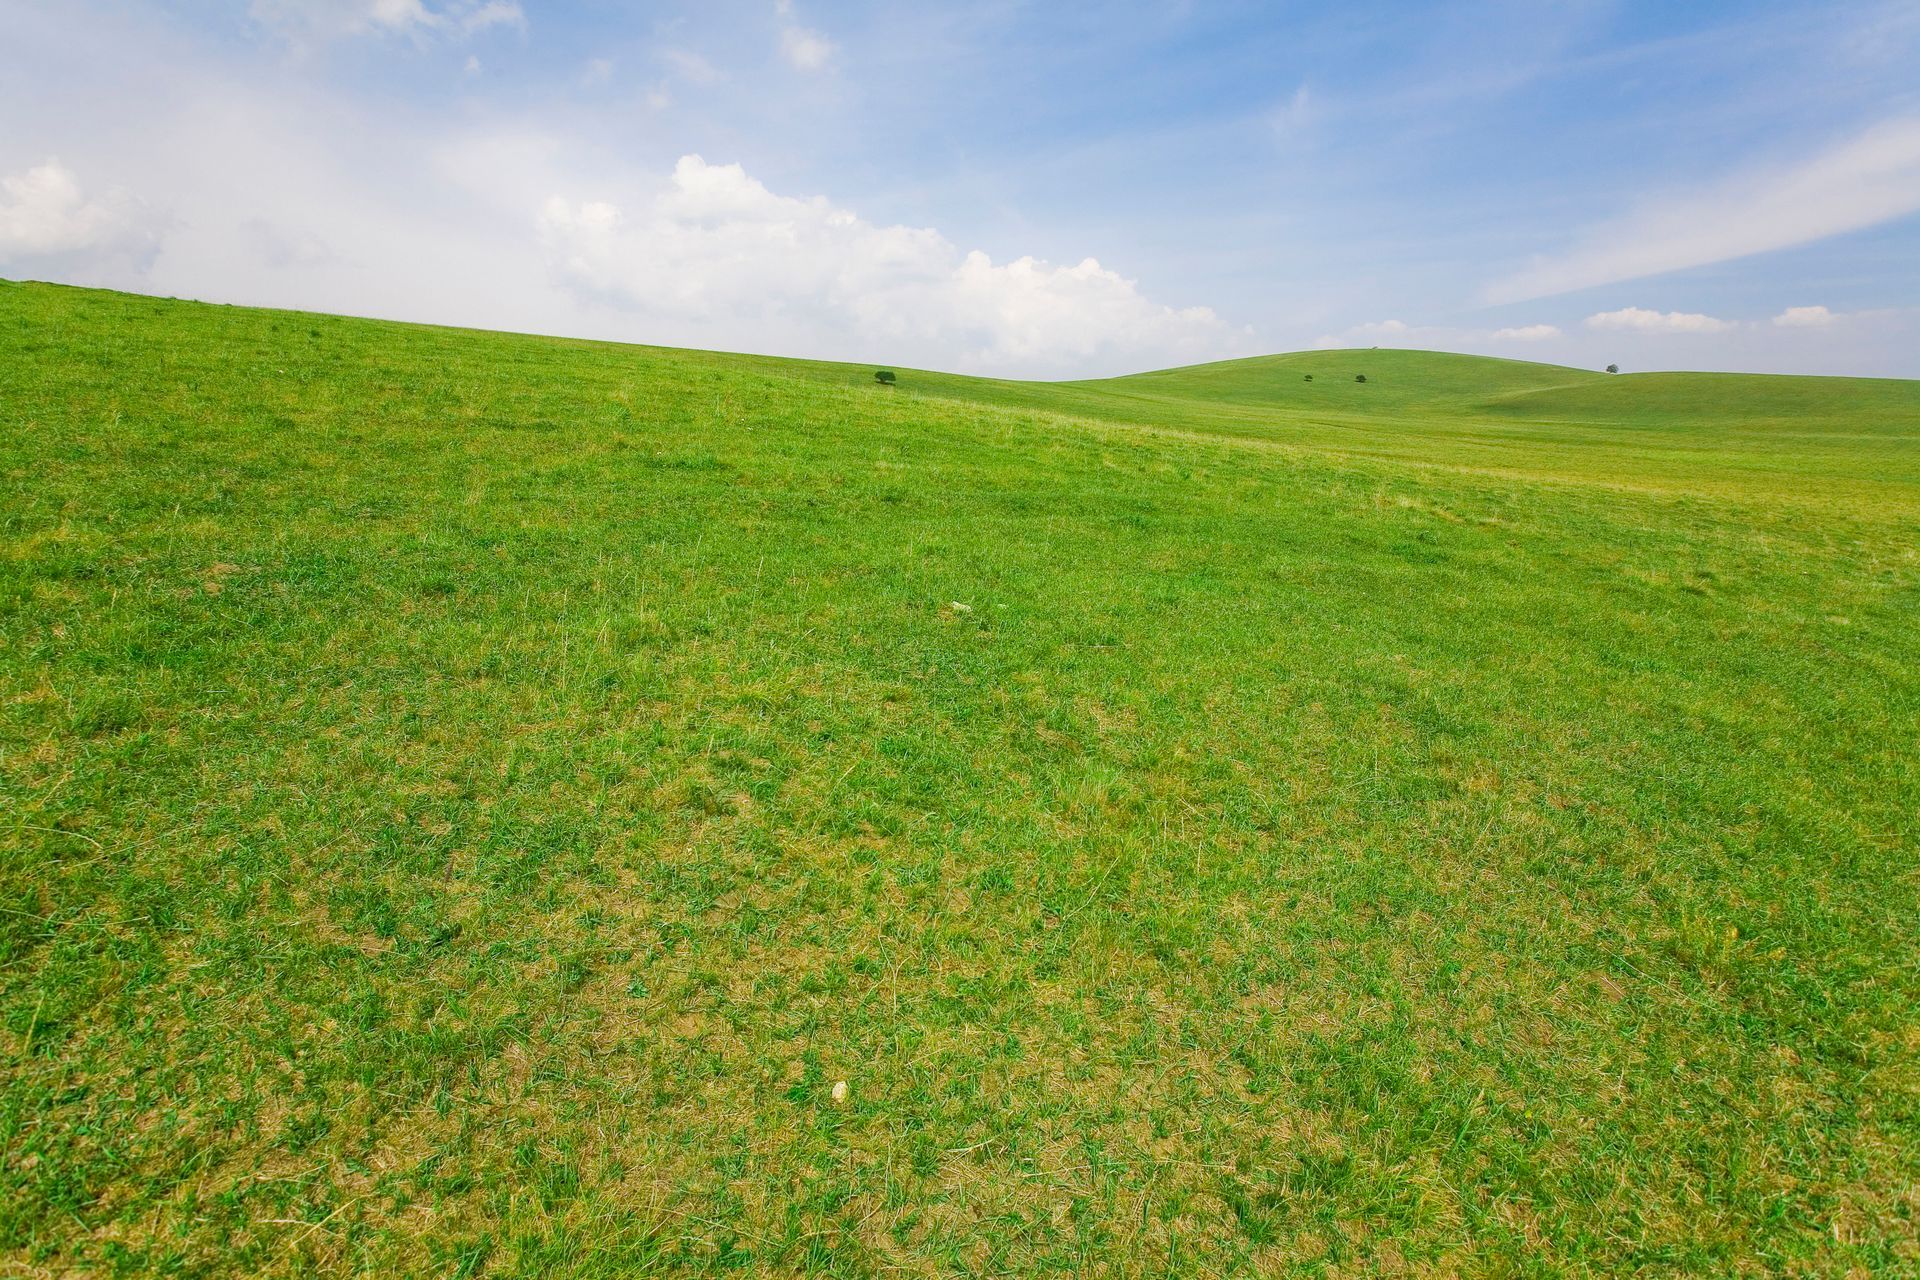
(1033, 189)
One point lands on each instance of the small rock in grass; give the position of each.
(839, 1093)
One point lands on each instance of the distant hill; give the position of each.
(1395, 379)
(1877, 406)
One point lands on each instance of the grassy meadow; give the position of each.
(484, 805)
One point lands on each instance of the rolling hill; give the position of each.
(475, 804)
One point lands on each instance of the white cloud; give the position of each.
(1640, 320)
(1374, 333)
(715, 248)
(277, 247)
(1398, 333)
(807, 50)
(804, 48)
(1866, 180)
(48, 221)
(495, 13)
(320, 20)
(1294, 115)
(691, 67)
(1805, 318)
(1527, 333)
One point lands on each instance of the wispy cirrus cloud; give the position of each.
(319, 20)
(1294, 116)
(1868, 179)
(691, 67)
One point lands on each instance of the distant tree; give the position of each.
(884, 377)
(1359, 377)
(1613, 368)
(1309, 377)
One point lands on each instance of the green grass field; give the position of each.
(468, 803)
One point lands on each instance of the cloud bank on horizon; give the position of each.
(1029, 192)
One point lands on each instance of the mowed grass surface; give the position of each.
(467, 799)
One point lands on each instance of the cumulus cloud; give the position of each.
(716, 246)
(320, 20)
(1640, 320)
(1866, 180)
(49, 222)
(1527, 333)
(1805, 318)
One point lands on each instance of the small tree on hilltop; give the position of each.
(1613, 368)
(884, 377)
(1359, 377)
(1309, 377)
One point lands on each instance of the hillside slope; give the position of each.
(485, 805)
